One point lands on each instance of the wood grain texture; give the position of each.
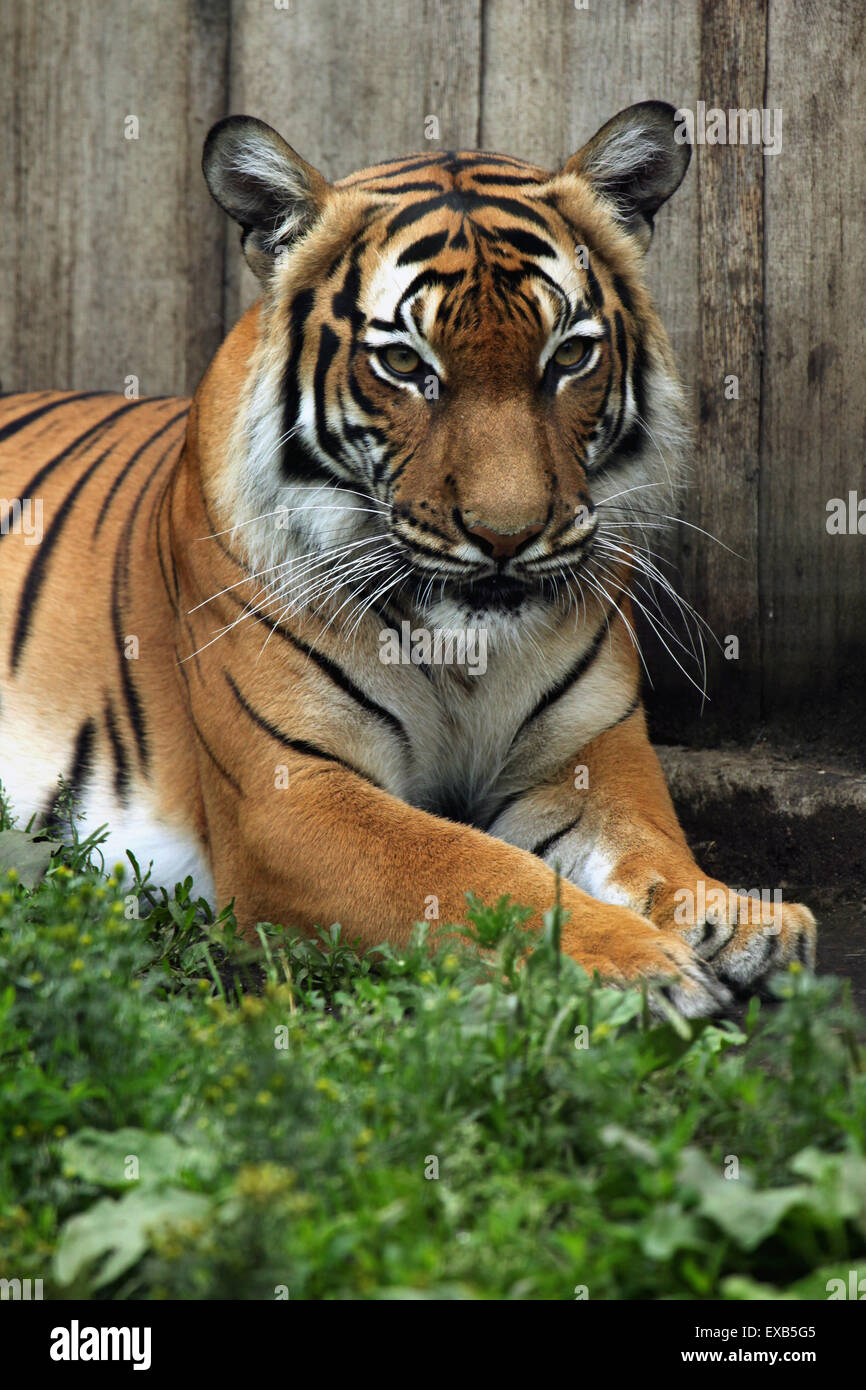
(117, 263)
(111, 247)
(814, 437)
(349, 86)
(552, 75)
(724, 498)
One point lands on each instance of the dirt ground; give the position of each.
(767, 817)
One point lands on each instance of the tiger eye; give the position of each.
(570, 353)
(401, 359)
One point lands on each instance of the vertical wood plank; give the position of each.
(730, 314)
(552, 75)
(111, 246)
(814, 583)
(350, 86)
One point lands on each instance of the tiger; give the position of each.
(452, 410)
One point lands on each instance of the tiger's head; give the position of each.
(458, 394)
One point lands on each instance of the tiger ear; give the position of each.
(264, 185)
(636, 161)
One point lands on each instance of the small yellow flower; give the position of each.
(450, 963)
(263, 1181)
(60, 1131)
(19, 1132)
(12, 875)
(36, 978)
(426, 977)
(203, 986)
(327, 1087)
(85, 940)
(454, 995)
(78, 966)
(795, 968)
(364, 1138)
(231, 1108)
(264, 1098)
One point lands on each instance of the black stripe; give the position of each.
(624, 293)
(90, 435)
(328, 442)
(359, 395)
(82, 763)
(424, 249)
(223, 771)
(22, 421)
(331, 669)
(464, 201)
(550, 840)
(296, 461)
(345, 682)
(405, 165)
(297, 745)
(121, 760)
(37, 572)
(419, 185)
(344, 303)
(574, 674)
(133, 458)
(515, 179)
(596, 293)
(622, 353)
(526, 242)
(132, 700)
(446, 278)
(506, 805)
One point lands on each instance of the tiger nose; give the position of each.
(502, 545)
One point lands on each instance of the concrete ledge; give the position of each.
(757, 812)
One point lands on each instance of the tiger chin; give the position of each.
(453, 409)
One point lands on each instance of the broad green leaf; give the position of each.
(116, 1233)
(119, 1157)
(746, 1215)
(29, 858)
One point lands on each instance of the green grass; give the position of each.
(183, 1117)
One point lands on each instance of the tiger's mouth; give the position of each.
(495, 592)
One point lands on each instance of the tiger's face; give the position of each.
(459, 373)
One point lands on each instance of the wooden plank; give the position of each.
(350, 88)
(814, 583)
(111, 246)
(730, 316)
(552, 75)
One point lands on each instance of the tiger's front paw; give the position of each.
(743, 936)
(626, 949)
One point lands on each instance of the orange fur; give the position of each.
(315, 783)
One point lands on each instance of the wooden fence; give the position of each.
(116, 262)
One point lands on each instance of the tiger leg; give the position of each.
(626, 846)
(334, 848)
